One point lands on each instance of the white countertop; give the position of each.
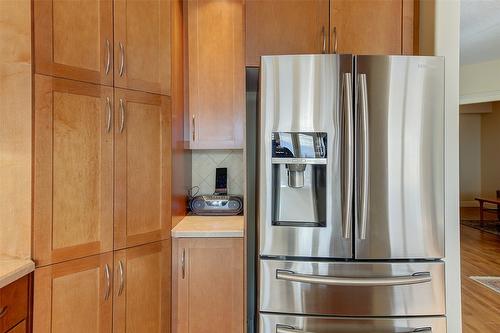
(12, 269)
(209, 226)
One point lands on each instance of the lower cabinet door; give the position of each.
(142, 289)
(271, 323)
(74, 296)
(208, 285)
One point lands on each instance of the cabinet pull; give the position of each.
(122, 58)
(108, 56)
(122, 115)
(108, 282)
(108, 108)
(3, 311)
(183, 263)
(122, 278)
(194, 128)
(323, 50)
(334, 37)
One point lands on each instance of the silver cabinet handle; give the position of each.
(323, 32)
(108, 56)
(334, 38)
(122, 115)
(290, 329)
(3, 311)
(122, 58)
(108, 109)
(416, 278)
(347, 155)
(107, 275)
(183, 263)
(364, 157)
(194, 128)
(122, 277)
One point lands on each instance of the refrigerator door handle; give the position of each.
(291, 329)
(348, 155)
(364, 156)
(415, 278)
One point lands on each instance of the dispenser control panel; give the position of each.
(299, 145)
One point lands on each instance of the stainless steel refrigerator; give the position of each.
(350, 203)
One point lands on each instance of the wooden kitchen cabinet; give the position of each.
(142, 45)
(208, 285)
(286, 27)
(142, 289)
(352, 26)
(74, 296)
(74, 40)
(216, 73)
(73, 170)
(142, 168)
(14, 305)
(366, 26)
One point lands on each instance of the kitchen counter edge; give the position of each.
(12, 269)
(194, 226)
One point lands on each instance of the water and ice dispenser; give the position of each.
(299, 178)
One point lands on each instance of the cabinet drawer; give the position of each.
(329, 288)
(20, 328)
(13, 304)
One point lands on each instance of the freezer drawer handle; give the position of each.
(291, 329)
(416, 278)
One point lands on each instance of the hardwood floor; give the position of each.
(480, 255)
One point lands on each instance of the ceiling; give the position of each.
(479, 31)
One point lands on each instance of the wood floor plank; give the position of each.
(480, 253)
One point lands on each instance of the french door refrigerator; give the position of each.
(351, 194)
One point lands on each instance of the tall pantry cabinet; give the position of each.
(102, 164)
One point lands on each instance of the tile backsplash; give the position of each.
(204, 163)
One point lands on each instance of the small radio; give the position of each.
(216, 205)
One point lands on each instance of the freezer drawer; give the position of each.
(352, 288)
(270, 323)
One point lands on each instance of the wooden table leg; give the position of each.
(481, 214)
(498, 212)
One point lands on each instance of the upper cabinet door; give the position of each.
(285, 27)
(366, 26)
(216, 73)
(142, 164)
(73, 187)
(74, 39)
(142, 45)
(141, 301)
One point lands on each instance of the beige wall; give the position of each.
(490, 151)
(470, 158)
(480, 82)
(15, 128)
